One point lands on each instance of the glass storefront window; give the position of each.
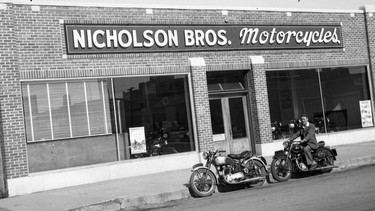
(156, 108)
(343, 88)
(330, 97)
(57, 110)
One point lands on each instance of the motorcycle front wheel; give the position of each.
(202, 182)
(281, 169)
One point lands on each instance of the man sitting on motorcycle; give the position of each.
(308, 140)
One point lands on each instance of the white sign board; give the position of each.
(137, 140)
(366, 114)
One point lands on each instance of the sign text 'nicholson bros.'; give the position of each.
(101, 39)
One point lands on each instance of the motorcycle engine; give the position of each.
(297, 148)
(235, 177)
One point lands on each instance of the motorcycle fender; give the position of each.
(280, 154)
(260, 160)
(334, 153)
(196, 166)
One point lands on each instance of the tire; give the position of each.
(260, 171)
(327, 159)
(281, 169)
(202, 182)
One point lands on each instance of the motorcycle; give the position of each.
(245, 168)
(292, 160)
(159, 146)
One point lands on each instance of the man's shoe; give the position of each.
(313, 166)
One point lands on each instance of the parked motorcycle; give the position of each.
(292, 160)
(159, 146)
(245, 168)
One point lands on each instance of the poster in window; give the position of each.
(137, 140)
(366, 114)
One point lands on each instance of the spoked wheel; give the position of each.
(202, 182)
(258, 170)
(281, 169)
(326, 159)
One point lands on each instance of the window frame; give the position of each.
(318, 70)
(66, 82)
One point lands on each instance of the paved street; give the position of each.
(348, 190)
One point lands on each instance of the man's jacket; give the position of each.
(307, 134)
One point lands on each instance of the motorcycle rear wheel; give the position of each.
(260, 171)
(202, 182)
(327, 159)
(281, 169)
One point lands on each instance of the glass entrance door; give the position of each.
(230, 127)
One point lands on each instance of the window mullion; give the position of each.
(31, 113)
(104, 109)
(50, 111)
(87, 108)
(321, 99)
(68, 106)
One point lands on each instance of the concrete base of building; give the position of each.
(50, 180)
(331, 139)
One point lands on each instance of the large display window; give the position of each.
(152, 115)
(334, 99)
(90, 121)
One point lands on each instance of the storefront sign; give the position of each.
(137, 140)
(366, 114)
(101, 39)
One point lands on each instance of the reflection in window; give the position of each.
(343, 89)
(292, 93)
(158, 107)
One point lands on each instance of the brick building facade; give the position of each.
(34, 49)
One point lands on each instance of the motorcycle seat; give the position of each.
(243, 154)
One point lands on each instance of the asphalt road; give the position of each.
(348, 190)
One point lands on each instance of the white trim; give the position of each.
(121, 4)
(331, 139)
(256, 59)
(49, 180)
(197, 62)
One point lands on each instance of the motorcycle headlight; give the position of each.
(273, 129)
(285, 144)
(205, 155)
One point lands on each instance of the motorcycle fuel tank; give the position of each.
(221, 160)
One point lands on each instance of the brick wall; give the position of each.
(35, 49)
(11, 107)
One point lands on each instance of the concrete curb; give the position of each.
(356, 162)
(130, 203)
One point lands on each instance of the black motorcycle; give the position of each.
(292, 160)
(245, 168)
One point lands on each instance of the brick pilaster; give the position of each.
(259, 101)
(370, 29)
(201, 104)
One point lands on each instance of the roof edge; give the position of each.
(115, 4)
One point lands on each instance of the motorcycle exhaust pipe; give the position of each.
(248, 180)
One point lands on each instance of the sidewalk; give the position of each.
(133, 192)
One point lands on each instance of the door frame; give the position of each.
(228, 142)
